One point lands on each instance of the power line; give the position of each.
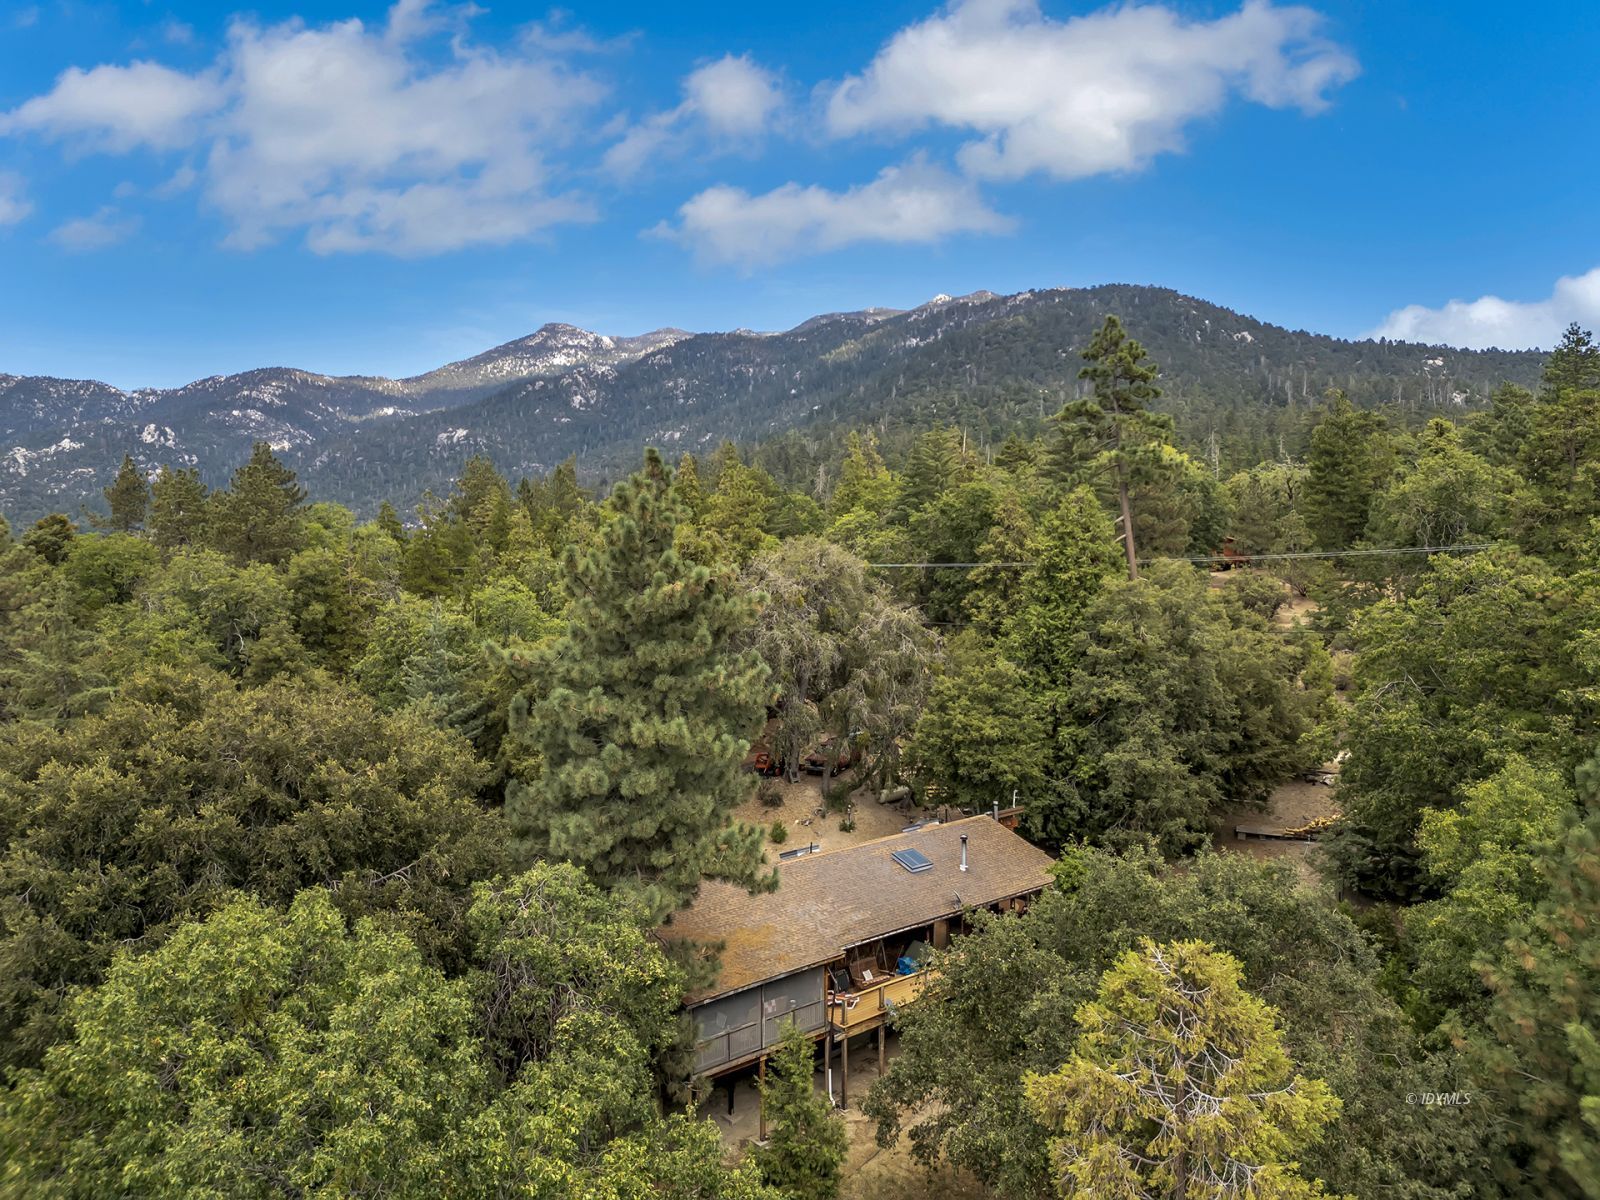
(1232, 558)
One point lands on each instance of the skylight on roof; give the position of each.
(913, 860)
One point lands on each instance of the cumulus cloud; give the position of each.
(340, 131)
(916, 202)
(1098, 93)
(356, 137)
(14, 203)
(120, 108)
(1490, 322)
(82, 234)
(730, 100)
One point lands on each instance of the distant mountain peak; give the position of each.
(992, 362)
(944, 300)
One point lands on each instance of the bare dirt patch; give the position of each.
(1292, 805)
(800, 814)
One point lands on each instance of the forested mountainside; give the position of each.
(1238, 390)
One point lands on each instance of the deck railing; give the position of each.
(868, 1005)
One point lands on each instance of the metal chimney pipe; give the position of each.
(963, 852)
(995, 813)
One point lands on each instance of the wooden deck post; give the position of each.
(761, 1132)
(883, 1053)
(844, 1070)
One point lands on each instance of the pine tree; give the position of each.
(259, 518)
(735, 514)
(864, 481)
(1559, 454)
(51, 537)
(1574, 364)
(50, 674)
(643, 713)
(687, 479)
(435, 681)
(389, 522)
(1179, 1087)
(128, 496)
(178, 507)
(1110, 434)
(806, 1139)
(1072, 552)
(1344, 470)
(1544, 1062)
(554, 504)
(935, 465)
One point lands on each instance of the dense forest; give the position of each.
(334, 849)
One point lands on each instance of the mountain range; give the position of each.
(993, 364)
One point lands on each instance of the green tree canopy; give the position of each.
(261, 1054)
(1004, 999)
(1179, 1086)
(184, 788)
(1179, 702)
(642, 713)
(128, 497)
(1487, 657)
(1541, 1057)
(806, 1139)
(260, 517)
(1112, 435)
(179, 506)
(1349, 459)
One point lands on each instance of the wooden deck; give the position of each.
(874, 1003)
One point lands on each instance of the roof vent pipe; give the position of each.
(996, 811)
(963, 852)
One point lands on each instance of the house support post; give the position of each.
(844, 1070)
(883, 1053)
(761, 1134)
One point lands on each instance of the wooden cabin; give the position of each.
(843, 941)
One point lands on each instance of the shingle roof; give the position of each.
(829, 901)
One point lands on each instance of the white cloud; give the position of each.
(120, 108)
(1098, 93)
(339, 131)
(358, 138)
(916, 202)
(14, 203)
(735, 97)
(732, 99)
(106, 228)
(1490, 322)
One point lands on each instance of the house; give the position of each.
(842, 941)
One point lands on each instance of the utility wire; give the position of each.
(1217, 558)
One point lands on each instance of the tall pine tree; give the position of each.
(128, 497)
(260, 517)
(1110, 434)
(1544, 1061)
(1348, 459)
(178, 503)
(642, 714)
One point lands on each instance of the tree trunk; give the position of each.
(1127, 526)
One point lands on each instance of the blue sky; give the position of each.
(190, 189)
